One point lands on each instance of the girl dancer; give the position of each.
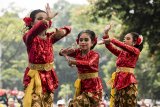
(123, 82)
(88, 85)
(40, 79)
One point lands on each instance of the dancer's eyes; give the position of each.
(40, 18)
(127, 38)
(83, 39)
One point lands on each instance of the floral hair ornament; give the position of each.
(139, 40)
(27, 21)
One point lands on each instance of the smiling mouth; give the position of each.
(83, 45)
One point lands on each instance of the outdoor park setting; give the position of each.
(124, 16)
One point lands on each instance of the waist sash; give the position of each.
(111, 81)
(35, 82)
(83, 76)
(47, 66)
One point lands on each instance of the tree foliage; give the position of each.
(147, 75)
(13, 51)
(65, 91)
(141, 16)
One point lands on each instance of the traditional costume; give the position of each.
(88, 86)
(40, 79)
(123, 82)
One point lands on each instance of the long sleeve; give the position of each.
(59, 35)
(90, 62)
(74, 54)
(113, 49)
(34, 31)
(125, 47)
(71, 54)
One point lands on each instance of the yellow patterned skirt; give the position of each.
(34, 96)
(45, 100)
(87, 99)
(126, 97)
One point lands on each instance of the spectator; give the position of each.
(61, 103)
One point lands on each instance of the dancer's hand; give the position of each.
(50, 14)
(100, 42)
(67, 58)
(70, 50)
(45, 22)
(104, 41)
(63, 52)
(70, 62)
(107, 28)
(67, 51)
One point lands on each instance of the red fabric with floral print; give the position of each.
(88, 64)
(127, 56)
(40, 51)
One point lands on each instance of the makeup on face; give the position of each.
(40, 16)
(85, 42)
(128, 39)
(84, 39)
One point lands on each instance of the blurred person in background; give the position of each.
(61, 103)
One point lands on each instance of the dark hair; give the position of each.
(33, 15)
(91, 34)
(135, 37)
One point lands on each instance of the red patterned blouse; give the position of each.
(88, 64)
(40, 51)
(127, 56)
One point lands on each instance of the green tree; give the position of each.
(65, 91)
(13, 51)
(141, 16)
(147, 75)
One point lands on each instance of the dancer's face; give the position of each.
(40, 16)
(85, 42)
(128, 39)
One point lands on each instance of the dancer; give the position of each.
(40, 79)
(88, 85)
(123, 82)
